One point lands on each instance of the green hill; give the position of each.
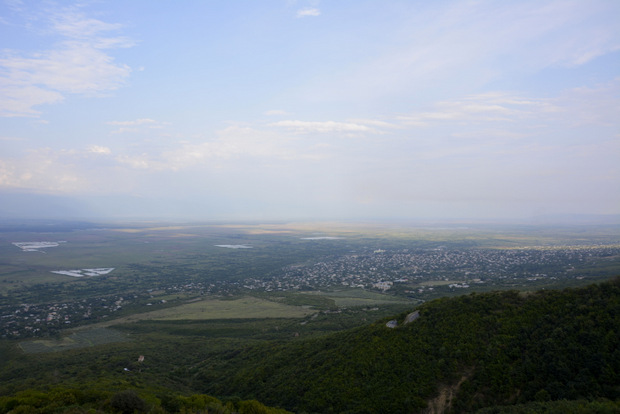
(502, 352)
(461, 355)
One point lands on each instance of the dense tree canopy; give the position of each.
(501, 352)
(488, 349)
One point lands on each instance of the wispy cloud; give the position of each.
(229, 147)
(373, 122)
(472, 148)
(97, 149)
(16, 139)
(141, 121)
(73, 24)
(77, 64)
(42, 169)
(136, 125)
(64, 171)
(308, 12)
(597, 105)
(489, 107)
(308, 127)
(472, 44)
(276, 112)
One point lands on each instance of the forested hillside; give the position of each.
(92, 400)
(504, 352)
(462, 354)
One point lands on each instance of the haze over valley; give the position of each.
(309, 206)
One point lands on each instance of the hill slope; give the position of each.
(461, 354)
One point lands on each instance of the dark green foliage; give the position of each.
(254, 407)
(55, 400)
(548, 351)
(557, 407)
(500, 348)
(65, 400)
(128, 402)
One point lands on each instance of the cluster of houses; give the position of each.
(381, 269)
(417, 270)
(27, 320)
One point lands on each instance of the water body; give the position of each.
(36, 246)
(84, 272)
(234, 246)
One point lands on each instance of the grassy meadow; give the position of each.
(204, 309)
(360, 297)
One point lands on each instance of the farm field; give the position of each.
(360, 297)
(144, 270)
(339, 264)
(242, 308)
(172, 294)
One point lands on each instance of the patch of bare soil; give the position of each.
(443, 402)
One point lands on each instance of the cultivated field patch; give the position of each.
(243, 308)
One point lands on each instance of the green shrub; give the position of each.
(128, 402)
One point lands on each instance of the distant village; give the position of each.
(457, 269)
(414, 274)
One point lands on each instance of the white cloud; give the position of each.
(141, 161)
(231, 146)
(488, 107)
(77, 64)
(497, 146)
(75, 25)
(141, 121)
(44, 170)
(460, 46)
(136, 125)
(598, 105)
(373, 122)
(96, 149)
(275, 112)
(18, 99)
(308, 12)
(77, 67)
(307, 127)
(65, 171)
(16, 139)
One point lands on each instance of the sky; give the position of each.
(307, 109)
